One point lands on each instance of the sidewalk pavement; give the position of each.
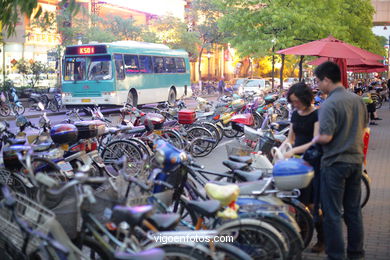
(376, 214)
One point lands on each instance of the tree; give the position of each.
(206, 14)
(31, 71)
(12, 11)
(173, 32)
(124, 29)
(253, 26)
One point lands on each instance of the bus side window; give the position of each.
(145, 64)
(169, 64)
(158, 63)
(120, 70)
(180, 65)
(131, 64)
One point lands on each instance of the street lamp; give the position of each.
(208, 63)
(388, 53)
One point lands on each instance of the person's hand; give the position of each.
(288, 154)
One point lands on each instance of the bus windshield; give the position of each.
(99, 68)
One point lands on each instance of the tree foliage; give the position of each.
(253, 26)
(173, 32)
(31, 71)
(14, 10)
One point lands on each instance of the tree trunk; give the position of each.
(281, 73)
(300, 68)
(273, 67)
(199, 65)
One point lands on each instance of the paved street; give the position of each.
(377, 211)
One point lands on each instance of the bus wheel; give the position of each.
(172, 96)
(132, 98)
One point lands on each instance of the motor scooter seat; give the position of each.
(223, 193)
(249, 176)
(164, 222)
(149, 254)
(242, 159)
(207, 208)
(234, 165)
(132, 215)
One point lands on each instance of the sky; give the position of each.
(159, 7)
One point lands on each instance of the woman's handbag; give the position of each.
(313, 154)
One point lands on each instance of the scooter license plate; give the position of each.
(65, 166)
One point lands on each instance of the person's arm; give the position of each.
(290, 137)
(327, 125)
(302, 148)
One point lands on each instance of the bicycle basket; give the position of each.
(237, 148)
(34, 215)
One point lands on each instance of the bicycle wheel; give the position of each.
(258, 120)
(229, 132)
(289, 232)
(365, 187)
(52, 105)
(174, 138)
(258, 239)
(303, 218)
(228, 251)
(217, 135)
(185, 251)
(18, 109)
(5, 110)
(201, 146)
(119, 148)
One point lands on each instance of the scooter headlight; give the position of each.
(160, 157)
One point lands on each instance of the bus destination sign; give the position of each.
(86, 50)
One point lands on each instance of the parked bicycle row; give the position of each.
(106, 188)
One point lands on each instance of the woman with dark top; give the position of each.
(304, 126)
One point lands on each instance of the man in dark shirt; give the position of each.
(342, 118)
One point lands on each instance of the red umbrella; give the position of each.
(350, 62)
(368, 69)
(331, 47)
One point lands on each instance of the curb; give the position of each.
(36, 115)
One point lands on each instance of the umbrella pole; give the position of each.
(300, 68)
(281, 73)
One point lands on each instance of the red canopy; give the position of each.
(350, 62)
(331, 47)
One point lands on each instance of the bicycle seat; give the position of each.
(259, 186)
(248, 176)
(132, 215)
(242, 159)
(234, 165)
(164, 222)
(41, 147)
(207, 208)
(17, 141)
(137, 130)
(149, 254)
(223, 193)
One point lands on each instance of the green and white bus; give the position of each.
(124, 71)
